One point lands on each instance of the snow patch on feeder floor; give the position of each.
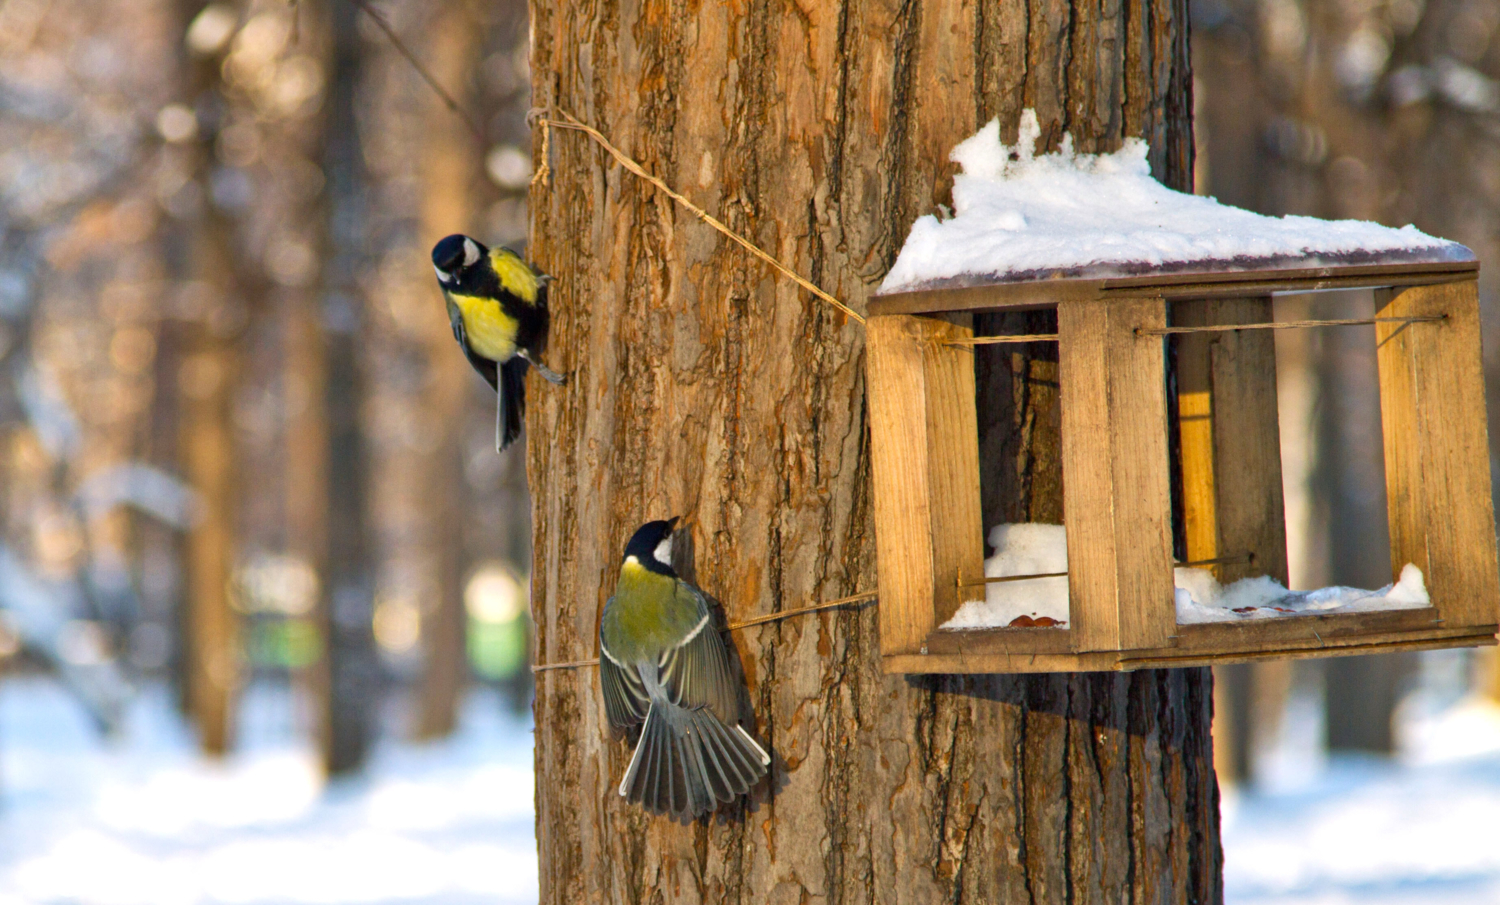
(1021, 216)
(1021, 549)
(1202, 599)
(1034, 549)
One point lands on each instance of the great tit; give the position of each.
(497, 306)
(666, 665)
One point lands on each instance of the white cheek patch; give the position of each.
(663, 551)
(471, 252)
(442, 277)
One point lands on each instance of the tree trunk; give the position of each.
(450, 168)
(206, 382)
(350, 679)
(704, 385)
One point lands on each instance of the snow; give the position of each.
(143, 819)
(1020, 549)
(1022, 216)
(1031, 549)
(1201, 599)
(1340, 829)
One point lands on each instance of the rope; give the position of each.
(757, 620)
(1291, 325)
(1014, 338)
(544, 174)
(1004, 578)
(832, 604)
(1222, 560)
(629, 164)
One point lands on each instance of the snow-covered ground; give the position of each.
(141, 820)
(1421, 829)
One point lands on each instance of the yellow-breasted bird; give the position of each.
(497, 305)
(664, 664)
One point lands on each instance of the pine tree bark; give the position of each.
(704, 385)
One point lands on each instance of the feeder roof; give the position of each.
(1020, 217)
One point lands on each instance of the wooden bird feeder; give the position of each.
(1117, 507)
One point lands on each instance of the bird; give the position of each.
(664, 664)
(497, 306)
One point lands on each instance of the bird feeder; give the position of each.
(1117, 497)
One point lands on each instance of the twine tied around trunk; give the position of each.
(853, 601)
(569, 121)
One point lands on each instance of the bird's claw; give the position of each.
(547, 373)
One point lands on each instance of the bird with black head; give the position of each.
(665, 668)
(497, 306)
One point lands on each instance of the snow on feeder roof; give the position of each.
(1019, 216)
(1131, 268)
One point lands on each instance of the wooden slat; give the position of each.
(1000, 640)
(1403, 642)
(1437, 449)
(989, 297)
(1047, 292)
(1022, 662)
(897, 384)
(953, 465)
(1117, 510)
(1251, 514)
(1041, 650)
(1088, 504)
(999, 662)
(1405, 506)
(1142, 477)
(1231, 439)
(924, 440)
(1297, 631)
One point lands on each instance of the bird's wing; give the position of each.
(486, 368)
(695, 673)
(625, 698)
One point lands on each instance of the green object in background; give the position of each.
(497, 650)
(284, 643)
(495, 599)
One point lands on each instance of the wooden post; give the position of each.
(1437, 468)
(1230, 438)
(1117, 507)
(925, 474)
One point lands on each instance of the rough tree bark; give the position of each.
(704, 385)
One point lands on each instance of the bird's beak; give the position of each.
(672, 522)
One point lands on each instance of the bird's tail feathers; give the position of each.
(687, 761)
(510, 403)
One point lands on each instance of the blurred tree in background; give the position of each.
(237, 441)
